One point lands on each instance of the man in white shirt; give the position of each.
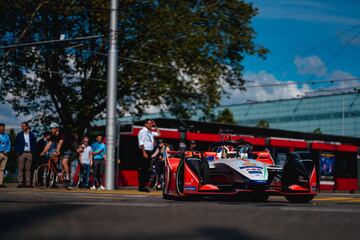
(86, 161)
(147, 147)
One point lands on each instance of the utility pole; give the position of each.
(111, 99)
(343, 116)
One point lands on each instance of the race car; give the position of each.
(228, 168)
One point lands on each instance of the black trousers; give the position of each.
(144, 169)
(99, 167)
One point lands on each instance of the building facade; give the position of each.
(333, 114)
(336, 114)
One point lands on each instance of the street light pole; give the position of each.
(111, 99)
(343, 116)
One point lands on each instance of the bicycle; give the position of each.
(47, 174)
(156, 178)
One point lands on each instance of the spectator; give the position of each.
(40, 145)
(99, 150)
(193, 146)
(5, 145)
(74, 159)
(146, 145)
(159, 156)
(160, 150)
(86, 161)
(59, 147)
(69, 154)
(25, 147)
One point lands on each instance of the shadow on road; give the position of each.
(17, 219)
(213, 233)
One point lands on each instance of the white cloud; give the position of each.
(264, 93)
(310, 65)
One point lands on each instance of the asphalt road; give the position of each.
(127, 214)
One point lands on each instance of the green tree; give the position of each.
(263, 123)
(317, 131)
(225, 116)
(195, 49)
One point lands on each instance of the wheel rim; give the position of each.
(44, 177)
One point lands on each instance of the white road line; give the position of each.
(321, 209)
(119, 204)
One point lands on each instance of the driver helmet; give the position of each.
(221, 151)
(54, 125)
(245, 151)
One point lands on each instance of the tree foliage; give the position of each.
(195, 50)
(225, 116)
(317, 131)
(263, 123)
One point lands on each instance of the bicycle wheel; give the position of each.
(153, 178)
(153, 181)
(45, 176)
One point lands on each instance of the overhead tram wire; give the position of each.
(250, 86)
(302, 82)
(326, 64)
(313, 48)
(135, 60)
(51, 41)
(49, 71)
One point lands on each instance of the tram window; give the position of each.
(346, 165)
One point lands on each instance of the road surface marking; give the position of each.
(333, 199)
(320, 209)
(119, 204)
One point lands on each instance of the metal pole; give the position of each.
(343, 116)
(111, 99)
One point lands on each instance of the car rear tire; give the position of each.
(299, 198)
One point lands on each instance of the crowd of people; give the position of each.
(68, 150)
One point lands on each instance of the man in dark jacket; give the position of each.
(25, 147)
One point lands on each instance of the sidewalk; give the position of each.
(121, 190)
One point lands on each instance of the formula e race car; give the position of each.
(229, 169)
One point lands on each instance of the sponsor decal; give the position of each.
(255, 172)
(248, 164)
(193, 159)
(251, 167)
(190, 188)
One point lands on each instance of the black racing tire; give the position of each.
(299, 198)
(45, 176)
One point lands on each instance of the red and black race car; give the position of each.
(230, 168)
